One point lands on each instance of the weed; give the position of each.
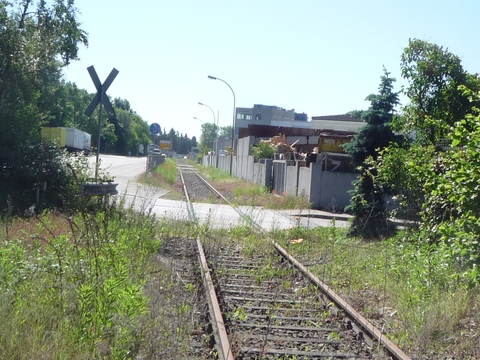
(168, 170)
(240, 314)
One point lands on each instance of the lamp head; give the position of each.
(199, 103)
(212, 77)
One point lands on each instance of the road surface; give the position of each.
(126, 170)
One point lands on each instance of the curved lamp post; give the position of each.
(216, 130)
(233, 123)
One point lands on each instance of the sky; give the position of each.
(319, 57)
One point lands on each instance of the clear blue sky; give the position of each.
(315, 56)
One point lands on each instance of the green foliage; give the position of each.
(208, 137)
(34, 36)
(42, 175)
(450, 212)
(78, 294)
(263, 150)
(367, 202)
(438, 183)
(168, 170)
(436, 103)
(225, 131)
(37, 38)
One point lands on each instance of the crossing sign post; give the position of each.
(100, 98)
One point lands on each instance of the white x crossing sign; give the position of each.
(101, 96)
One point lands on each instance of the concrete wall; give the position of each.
(291, 179)
(304, 181)
(334, 187)
(279, 173)
(262, 173)
(324, 189)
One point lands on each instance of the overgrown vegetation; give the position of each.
(168, 171)
(367, 202)
(38, 39)
(433, 176)
(410, 290)
(71, 285)
(76, 286)
(263, 150)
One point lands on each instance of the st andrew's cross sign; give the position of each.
(101, 96)
(102, 99)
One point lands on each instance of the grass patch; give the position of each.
(216, 175)
(244, 193)
(90, 286)
(164, 176)
(286, 201)
(168, 171)
(409, 291)
(73, 287)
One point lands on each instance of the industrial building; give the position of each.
(269, 115)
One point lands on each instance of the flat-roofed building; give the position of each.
(344, 122)
(270, 115)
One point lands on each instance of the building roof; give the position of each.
(341, 117)
(343, 122)
(270, 131)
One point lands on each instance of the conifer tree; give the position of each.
(367, 202)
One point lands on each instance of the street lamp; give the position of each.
(216, 130)
(198, 119)
(233, 123)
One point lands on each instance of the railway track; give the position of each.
(266, 305)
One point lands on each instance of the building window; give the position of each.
(258, 116)
(248, 116)
(240, 116)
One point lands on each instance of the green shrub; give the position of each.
(263, 150)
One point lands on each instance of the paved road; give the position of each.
(125, 170)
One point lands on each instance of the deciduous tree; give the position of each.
(37, 38)
(434, 75)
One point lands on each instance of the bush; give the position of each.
(263, 150)
(42, 175)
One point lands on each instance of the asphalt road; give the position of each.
(126, 170)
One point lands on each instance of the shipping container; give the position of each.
(70, 138)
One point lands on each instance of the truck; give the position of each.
(70, 138)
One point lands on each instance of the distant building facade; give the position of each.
(269, 115)
(344, 122)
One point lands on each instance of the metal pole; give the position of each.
(213, 121)
(99, 130)
(233, 122)
(216, 138)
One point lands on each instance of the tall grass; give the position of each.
(71, 287)
(216, 174)
(168, 170)
(407, 290)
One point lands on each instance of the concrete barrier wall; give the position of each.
(249, 165)
(262, 173)
(291, 180)
(324, 189)
(279, 176)
(334, 187)
(304, 181)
